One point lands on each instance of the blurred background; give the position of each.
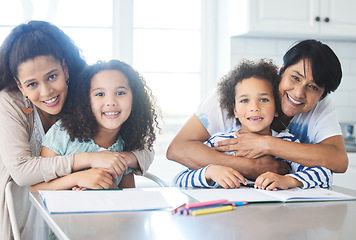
(183, 47)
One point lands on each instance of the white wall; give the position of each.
(345, 96)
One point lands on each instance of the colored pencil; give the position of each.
(177, 208)
(212, 210)
(202, 204)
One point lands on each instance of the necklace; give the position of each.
(285, 127)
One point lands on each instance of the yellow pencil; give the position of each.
(212, 210)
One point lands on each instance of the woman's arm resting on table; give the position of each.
(187, 148)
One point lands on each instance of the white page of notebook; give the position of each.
(111, 201)
(257, 195)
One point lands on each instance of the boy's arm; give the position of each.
(192, 178)
(304, 178)
(188, 149)
(312, 177)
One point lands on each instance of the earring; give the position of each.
(28, 109)
(67, 81)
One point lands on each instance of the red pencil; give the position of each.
(203, 204)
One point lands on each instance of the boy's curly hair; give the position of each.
(138, 131)
(263, 69)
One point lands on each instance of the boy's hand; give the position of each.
(225, 176)
(274, 181)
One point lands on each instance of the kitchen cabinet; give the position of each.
(347, 179)
(331, 19)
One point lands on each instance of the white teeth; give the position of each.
(294, 101)
(111, 113)
(255, 118)
(51, 100)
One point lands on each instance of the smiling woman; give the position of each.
(299, 92)
(310, 71)
(43, 81)
(39, 70)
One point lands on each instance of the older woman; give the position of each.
(310, 71)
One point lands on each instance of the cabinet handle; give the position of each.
(327, 19)
(317, 19)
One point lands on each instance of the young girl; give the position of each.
(112, 110)
(250, 94)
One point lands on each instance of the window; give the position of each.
(91, 29)
(166, 51)
(174, 44)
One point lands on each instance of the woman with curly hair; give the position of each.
(113, 110)
(39, 70)
(249, 93)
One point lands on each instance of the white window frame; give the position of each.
(215, 44)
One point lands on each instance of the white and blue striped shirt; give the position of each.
(310, 177)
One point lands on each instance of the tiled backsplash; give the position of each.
(344, 98)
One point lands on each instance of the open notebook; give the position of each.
(257, 195)
(67, 201)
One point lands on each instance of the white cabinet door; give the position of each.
(290, 18)
(273, 17)
(338, 18)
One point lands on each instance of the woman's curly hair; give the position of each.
(263, 69)
(138, 131)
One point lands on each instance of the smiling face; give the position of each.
(299, 92)
(43, 81)
(255, 105)
(111, 99)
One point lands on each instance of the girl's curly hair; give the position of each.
(138, 131)
(263, 69)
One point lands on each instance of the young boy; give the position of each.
(250, 94)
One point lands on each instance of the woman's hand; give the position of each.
(114, 162)
(251, 145)
(225, 176)
(248, 145)
(274, 181)
(130, 159)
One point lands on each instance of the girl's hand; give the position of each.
(274, 181)
(94, 178)
(114, 162)
(225, 176)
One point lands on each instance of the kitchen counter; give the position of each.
(347, 179)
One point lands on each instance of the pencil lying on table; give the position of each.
(212, 210)
(200, 208)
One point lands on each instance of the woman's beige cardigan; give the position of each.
(16, 161)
